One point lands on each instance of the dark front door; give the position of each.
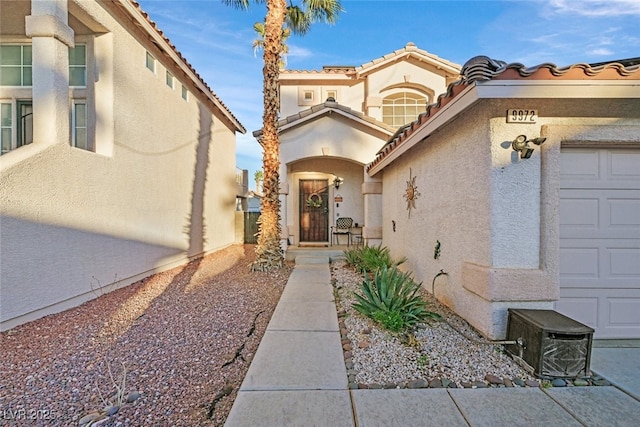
(314, 210)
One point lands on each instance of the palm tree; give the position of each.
(258, 44)
(279, 16)
(258, 176)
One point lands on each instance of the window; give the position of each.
(18, 132)
(25, 122)
(79, 137)
(78, 65)
(402, 108)
(6, 127)
(333, 94)
(308, 95)
(169, 80)
(185, 93)
(15, 65)
(151, 62)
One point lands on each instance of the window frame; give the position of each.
(88, 146)
(21, 131)
(150, 62)
(4, 127)
(170, 79)
(18, 133)
(394, 118)
(79, 66)
(22, 66)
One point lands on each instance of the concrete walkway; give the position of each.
(298, 378)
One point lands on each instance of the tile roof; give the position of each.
(324, 108)
(483, 68)
(181, 60)
(409, 50)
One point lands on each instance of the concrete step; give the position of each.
(335, 252)
(312, 259)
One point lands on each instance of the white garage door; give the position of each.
(600, 240)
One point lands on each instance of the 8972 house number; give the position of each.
(515, 115)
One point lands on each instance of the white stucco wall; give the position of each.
(386, 80)
(354, 93)
(74, 221)
(348, 147)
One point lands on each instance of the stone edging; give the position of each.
(490, 381)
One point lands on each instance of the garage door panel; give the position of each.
(624, 312)
(584, 310)
(613, 313)
(600, 168)
(579, 165)
(580, 213)
(624, 262)
(600, 239)
(625, 212)
(623, 165)
(600, 267)
(579, 263)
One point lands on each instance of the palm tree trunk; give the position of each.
(268, 251)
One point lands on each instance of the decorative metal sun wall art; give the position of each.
(411, 193)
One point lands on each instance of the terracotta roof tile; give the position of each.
(483, 68)
(410, 48)
(329, 105)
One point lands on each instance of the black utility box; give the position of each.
(553, 345)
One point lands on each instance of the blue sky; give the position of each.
(216, 39)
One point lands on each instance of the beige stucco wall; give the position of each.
(358, 94)
(76, 224)
(495, 215)
(350, 94)
(385, 81)
(347, 145)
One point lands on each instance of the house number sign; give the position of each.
(521, 115)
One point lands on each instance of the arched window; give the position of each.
(403, 107)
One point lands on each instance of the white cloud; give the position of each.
(596, 8)
(600, 51)
(299, 52)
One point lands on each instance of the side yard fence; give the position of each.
(251, 227)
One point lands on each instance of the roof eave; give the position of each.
(570, 89)
(464, 100)
(511, 89)
(448, 68)
(313, 113)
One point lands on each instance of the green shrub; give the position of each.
(391, 320)
(371, 258)
(392, 299)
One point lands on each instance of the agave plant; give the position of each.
(392, 299)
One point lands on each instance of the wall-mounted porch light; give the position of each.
(337, 181)
(521, 144)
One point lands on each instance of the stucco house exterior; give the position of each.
(559, 229)
(554, 225)
(117, 161)
(333, 123)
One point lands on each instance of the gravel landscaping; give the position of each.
(181, 340)
(174, 348)
(432, 355)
